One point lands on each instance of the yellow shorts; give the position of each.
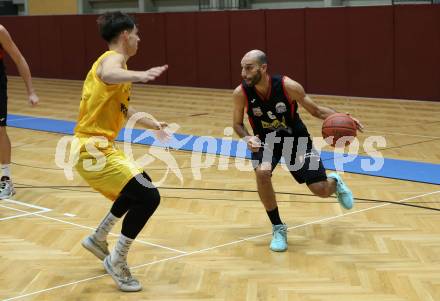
(110, 173)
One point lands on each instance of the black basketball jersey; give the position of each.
(275, 113)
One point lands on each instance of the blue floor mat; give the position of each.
(392, 168)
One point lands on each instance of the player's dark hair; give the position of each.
(111, 24)
(261, 58)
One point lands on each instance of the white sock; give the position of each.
(6, 171)
(120, 251)
(105, 226)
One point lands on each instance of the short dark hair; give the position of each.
(111, 24)
(261, 58)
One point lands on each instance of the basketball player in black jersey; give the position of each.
(271, 103)
(8, 46)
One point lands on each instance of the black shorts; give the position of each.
(301, 158)
(3, 96)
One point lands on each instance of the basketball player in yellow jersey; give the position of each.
(104, 109)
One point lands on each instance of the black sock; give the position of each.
(274, 217)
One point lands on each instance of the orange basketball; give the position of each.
(339, 125)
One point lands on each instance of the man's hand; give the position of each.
(153, 73)
(359, 125)
(162, 133)
(253, 143)
(33, 99)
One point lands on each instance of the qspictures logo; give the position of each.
(70, 150)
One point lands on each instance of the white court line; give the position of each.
(112, 234)
(19, 210)
(25, 204)
(85, 227)
(21, 215)
(222, 245)
(26, 213)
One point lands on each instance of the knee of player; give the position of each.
(154, 197)
(263, 175)
(320, 189)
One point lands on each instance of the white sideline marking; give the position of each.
(25, 213)
(222, 245)
(44, 210)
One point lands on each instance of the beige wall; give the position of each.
(52, 7)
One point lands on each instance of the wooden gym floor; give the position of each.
(209, 238)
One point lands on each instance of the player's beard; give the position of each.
(255, 80)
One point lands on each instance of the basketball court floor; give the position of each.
(209, 238)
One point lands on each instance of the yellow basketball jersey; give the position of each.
(103, 108)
